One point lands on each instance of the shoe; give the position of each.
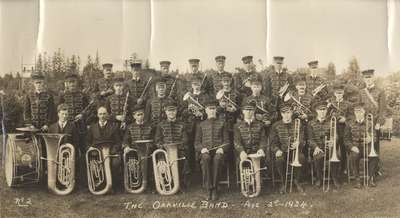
(372, 182)
(209, 195)
(214, 195)
(318, 183)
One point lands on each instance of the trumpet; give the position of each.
(250, 178)
(231, 103)
(295, 154)
(166, 171)
(301, 108)
(369, 129)
(60, 164)
(135, 181)
(332, 153)
(194, 106)
(99, 170)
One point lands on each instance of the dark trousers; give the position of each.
(280, 163)
(210, 167)
(355, 163)
(340, 142)
(319, 166)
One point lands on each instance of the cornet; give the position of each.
(250, 178)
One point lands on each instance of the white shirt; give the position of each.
(62, 124)
(102, 124)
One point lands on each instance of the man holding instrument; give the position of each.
(285, 138)
(154, 107)
(119, 104)
(217, 74)
(138, 86)
(206, 85)
(212, 143)
(242, 78)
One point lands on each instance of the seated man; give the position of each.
(211, 143)
(106, 134)
(283, 139)
(137, 131)
(355, 139)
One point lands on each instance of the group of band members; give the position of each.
(217, 117)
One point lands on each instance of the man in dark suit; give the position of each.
(105, 133)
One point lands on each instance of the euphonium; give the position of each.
(135, 181)
(165, 166)
(250, 178)
(99, 170)
(60, 164)
(370, 131)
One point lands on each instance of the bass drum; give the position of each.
(22, 164)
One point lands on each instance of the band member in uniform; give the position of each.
(356, 136)
(300, 100)
(242, 78)
(374, 100)
(154, 107)
(278, 81)
(319, 131)
(341, 109)
(313, 80)
(171, 131)
(206, 81)
(173, 83)
(216, 75)
(106, 133)
(229, 101)
(265, 110)
(119, 104)
(104, 87)
(249, 134)
(282, 136)
(139, 85)
(39, 107)
(139, 129)
(211, 145)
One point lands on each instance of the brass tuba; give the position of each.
(60, 164)
(99, 170)
(250, 178)
(135, 181)
(166, 171)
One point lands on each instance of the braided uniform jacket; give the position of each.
(137, 132)
(380, 98)
(317, 132)
(240, 80)
(136, 88)
(75, 101)
(223, 114)
(206, 87)
(355, 133)
(313, 82)
(283, 133)
(211, 133)
(275, 81)
(104, 84)
(216, 80)
(39, 109)
(155, 110)
(187, 115)
(171, 132)
(116, 104)
(263, 103)
(249, 138)
(169, 80)
(306, 100)
(344, 108)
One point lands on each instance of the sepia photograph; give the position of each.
(199, 108)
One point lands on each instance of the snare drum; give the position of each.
(22, 164)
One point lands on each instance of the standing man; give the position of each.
(119, 104)
(217, 75)
(206, 81)
(283, 139)
(139, 85)
(211, 145)
(155, 106)
(39, 107)
(313, 80)
(242, 78)
(173, 83)
(104, 87)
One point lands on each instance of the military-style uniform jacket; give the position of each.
(116, 103)
(377, 106)
(136, 87)
(249, 137)
(39, 109)
(265, 109)
(275, 81)
(108, 135)
(340, 108)
(355, 134)
(282, 134)
(172, 82)
(223, 114)
(171, 132)
(188, 114)
(317, 132)
(313, 82)
(154, 111)
(76, 102)
(104, 84)
(305, 100)
(216, 77)
(211, 133)
(240, 80)
(137, 132)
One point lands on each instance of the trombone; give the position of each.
(369, 131)
(295, 155)
(332, 154)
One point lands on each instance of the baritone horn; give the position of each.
(250, 177)
(99, 170)
(60, 164)
(135, 180)
(166, 171)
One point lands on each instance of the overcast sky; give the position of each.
(300, 30)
